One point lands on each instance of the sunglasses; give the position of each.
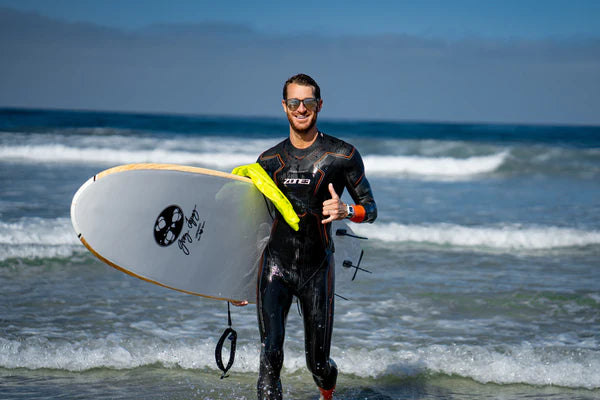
(310, 103)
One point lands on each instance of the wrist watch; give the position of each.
(349, 211)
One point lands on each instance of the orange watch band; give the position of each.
(359, 214)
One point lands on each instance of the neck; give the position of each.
(302, 140)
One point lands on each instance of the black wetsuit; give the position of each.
(301, 263)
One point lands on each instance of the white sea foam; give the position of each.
(518, 364)
(38, 238)
(226, 153)
(433, 166)
(522, 363)
(113, 352)
(109, 156)
(37, 252)
(507, 237)
(43, 238)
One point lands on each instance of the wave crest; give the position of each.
(228, 153)
(434, 166)
(107, 156)
(522, 363)
(508, 237)
(34, 238)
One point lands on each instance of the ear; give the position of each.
(284, 106)
(320, 105)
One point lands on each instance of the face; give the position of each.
(302, 120)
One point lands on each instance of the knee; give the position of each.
(272, 356)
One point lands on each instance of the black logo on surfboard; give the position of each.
(168, 225)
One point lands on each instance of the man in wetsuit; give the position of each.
(311, 169)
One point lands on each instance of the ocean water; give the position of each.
(485, 261)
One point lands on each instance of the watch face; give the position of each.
(350, 211)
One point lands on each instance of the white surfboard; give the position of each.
(189, 229)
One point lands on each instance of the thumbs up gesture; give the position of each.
(333, 208)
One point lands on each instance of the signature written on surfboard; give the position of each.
(194, 233)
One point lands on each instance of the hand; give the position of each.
(333, 208)
(239, 303)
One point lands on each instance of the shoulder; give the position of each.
(273, 151)
(272, 159)
(337, 146)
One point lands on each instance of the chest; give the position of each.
(307, 176)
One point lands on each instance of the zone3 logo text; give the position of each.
(296, 181)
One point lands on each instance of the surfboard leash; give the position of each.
(230, 334)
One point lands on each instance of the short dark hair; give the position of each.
(304, 80)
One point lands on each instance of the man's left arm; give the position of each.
(364, 209)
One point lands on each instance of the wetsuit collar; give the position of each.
(303, 152)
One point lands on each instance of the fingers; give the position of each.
(328, 220)
(239, 303)
(334, 195)
(333, 208)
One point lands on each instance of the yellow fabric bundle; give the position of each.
(266, 186)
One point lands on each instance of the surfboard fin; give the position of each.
(344, 232)
(348, 264)
(342, 297)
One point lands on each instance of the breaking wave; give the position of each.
(521, 363)
(33, 238)
(434, 166)
(506, 237)
(224, 157)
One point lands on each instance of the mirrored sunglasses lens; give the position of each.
(292, 104)
(311, 104)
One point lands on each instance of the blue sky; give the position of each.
(485, 61)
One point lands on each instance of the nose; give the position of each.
(302, 108)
